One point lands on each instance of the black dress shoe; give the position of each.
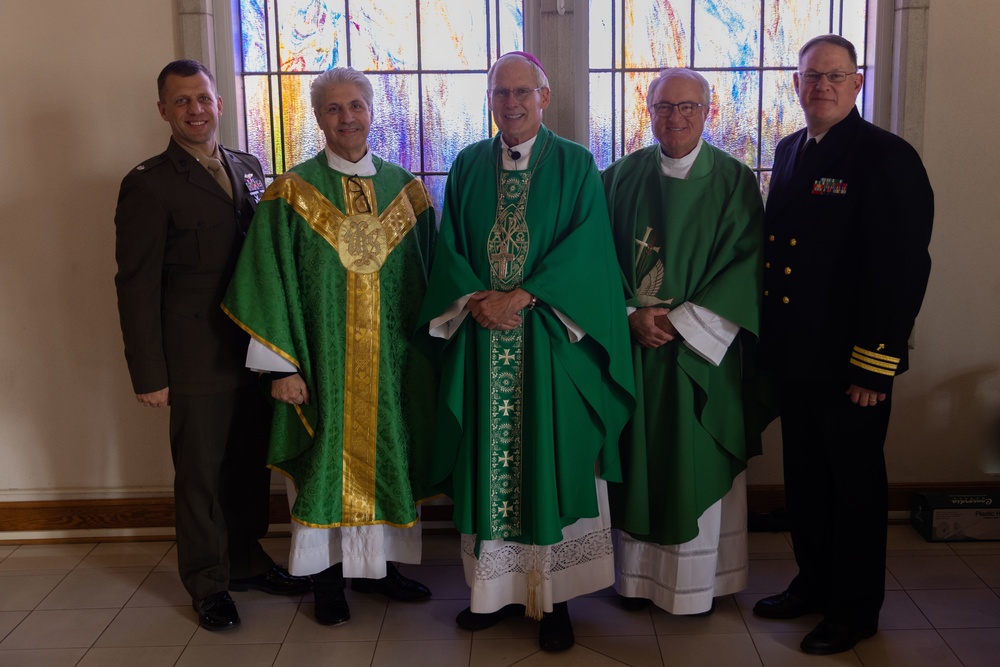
(633, 604)
(555, 633)
(217, 611)
(468, 620)
(830, 637)
(393, 585)
(784, 605)
(275, 581)
(331, 605)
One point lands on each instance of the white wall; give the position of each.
(79, 111)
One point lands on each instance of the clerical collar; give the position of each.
(679, 167)
(363, 167)
(524, 148)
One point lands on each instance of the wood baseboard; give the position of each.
(152, 513)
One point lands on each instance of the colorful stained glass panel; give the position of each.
(780, 112)
(727, 34)
(254, 35)
(395, 130)
(260, 139)
(602, 120)
(657, 33)
(303, 138)
(788, 24)
(311, 34)
(733, 118)
(511, 37)
(383, 35)
(455, 115)
(456, 40)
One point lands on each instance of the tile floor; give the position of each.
(111, 604)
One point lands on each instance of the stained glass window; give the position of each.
(426, 59)
(747, 50)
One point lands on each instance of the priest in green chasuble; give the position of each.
(329, 286)
(536, 381)
(687, 221)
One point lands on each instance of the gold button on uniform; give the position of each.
(793, 242)
(788, 270)
(766, 293)
(767, 265)
(771, 237)
(785, 299)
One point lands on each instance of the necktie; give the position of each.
(214, 166)
(809, 145)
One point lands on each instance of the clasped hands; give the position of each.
(498, 310)
(651, 328)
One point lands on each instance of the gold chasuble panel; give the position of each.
(507, 247)
(363, 243)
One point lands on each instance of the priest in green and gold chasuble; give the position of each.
(536, 381)
(687, 221)
(329, 286)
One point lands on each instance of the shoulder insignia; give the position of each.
(151, 162)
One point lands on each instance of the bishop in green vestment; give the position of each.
(536, 384)
(329, 286)
(687, 222)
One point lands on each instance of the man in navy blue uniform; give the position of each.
(847, 225)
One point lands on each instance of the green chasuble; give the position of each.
(525, 415)
(331, 278)
(697, 240)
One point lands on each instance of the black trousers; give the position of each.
(221, 486)
(836, 493)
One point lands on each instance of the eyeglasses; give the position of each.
(832, 77)
(358, 196)
(520, 94)
(686, 109)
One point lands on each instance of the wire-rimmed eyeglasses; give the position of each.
(832, 77)
(686, 109)
(520, 94)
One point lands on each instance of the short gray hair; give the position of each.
(672, 72)
(341, 75)
(541, 80)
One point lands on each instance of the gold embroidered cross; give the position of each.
(506, 458)
(506, 407)
(505, 510)
(507, 357)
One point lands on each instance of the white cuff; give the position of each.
(264, 360)
(704, 332)
(446, 324)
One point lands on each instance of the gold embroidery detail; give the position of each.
(321, 215)
(874, 362)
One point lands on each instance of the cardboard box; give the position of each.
(957, 517)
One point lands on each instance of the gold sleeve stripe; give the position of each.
(309, 203)
(874, 362)
(876, 355)
(873, 369)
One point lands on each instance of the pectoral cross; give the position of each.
(502, 261)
